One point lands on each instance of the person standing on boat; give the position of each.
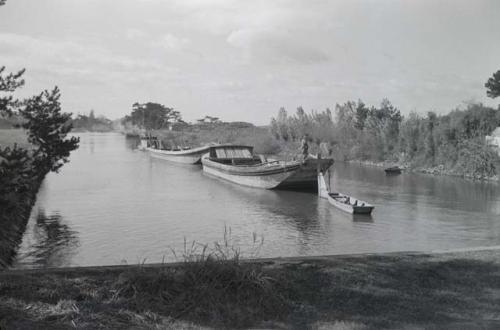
(304, 146)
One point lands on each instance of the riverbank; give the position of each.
(398, 290)
(21, 180)
(435, 170)
(15, 208)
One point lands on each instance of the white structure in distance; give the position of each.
(493, 140)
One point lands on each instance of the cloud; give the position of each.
(171, 42)
(134, 34)
(70, 63)
(273, 45)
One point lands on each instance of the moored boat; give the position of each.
(238, 164)
(343, 202)
(393, 170)
(178, 155)
(184, 156)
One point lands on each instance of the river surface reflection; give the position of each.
(114, 204)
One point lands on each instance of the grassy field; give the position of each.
(8, 137)
(398, 291)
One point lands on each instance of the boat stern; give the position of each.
(306, 177)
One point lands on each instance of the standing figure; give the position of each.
(304, 146)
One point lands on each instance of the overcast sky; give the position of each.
(243, 60)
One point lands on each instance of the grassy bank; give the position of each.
(434, 170)
(9, 137)
(14, 213)
(457, 290)
(22, 168)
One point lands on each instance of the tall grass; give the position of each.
(404, 291)
(212, 285)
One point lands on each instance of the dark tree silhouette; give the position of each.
(493, 85)
(152, 115)
(8, 84)
(47, 129)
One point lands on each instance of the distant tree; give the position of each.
(47, 129)
(2, 2)
(92, 116)
(493, 85)
(282, 123)
(152, 115)
(430, 145)
(214, 119)
(274, 129)
(410, 134)
(209, 119)
(346, 133)
(361, 115)
(92, 123)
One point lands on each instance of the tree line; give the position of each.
(354, 131)
(152, 116)
(92, 123)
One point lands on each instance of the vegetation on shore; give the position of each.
(453, 143)
(91, 123)
(222, 132)
(350, 292)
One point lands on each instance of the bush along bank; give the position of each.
(22, 170)
(450, 144)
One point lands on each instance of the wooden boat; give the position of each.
(393, 170)
(179, 155)
(184, 156)
(238, 164)
(343, 202)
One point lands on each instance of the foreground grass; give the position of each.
(9, 137)
(358, 292)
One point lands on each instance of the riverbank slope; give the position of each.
(15, 208)
(435, 170)
(398, 290)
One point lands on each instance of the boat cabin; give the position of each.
(233, 155)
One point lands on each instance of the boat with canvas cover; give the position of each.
(238, 164)
(343, 202)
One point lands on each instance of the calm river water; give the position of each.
(113, 204)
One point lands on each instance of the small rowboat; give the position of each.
(179, 155)
(239, 165)
(343, 202)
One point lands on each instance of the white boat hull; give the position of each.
(281, 175)
(191, 156)
(262, 181)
